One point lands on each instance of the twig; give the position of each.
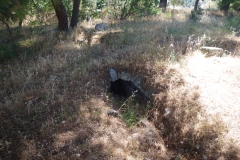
(127, 100)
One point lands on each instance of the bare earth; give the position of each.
(218, 83)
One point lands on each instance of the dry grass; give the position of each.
(218, 82)
(54, 102)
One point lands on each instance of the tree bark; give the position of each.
(75, 11)
(10, 36)
(20, 24)
(163, 5)
(225, 6)
(61, 14)
(196, 5)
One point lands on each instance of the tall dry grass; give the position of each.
(49, 92)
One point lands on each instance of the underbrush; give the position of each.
(7, 51)
(48, 95)
(28, 41)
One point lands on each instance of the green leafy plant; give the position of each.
(234, 22)
(177, 2)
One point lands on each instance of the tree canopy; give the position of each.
(226, 4)
(13, 9)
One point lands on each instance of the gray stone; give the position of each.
(125, 76)
(212, 51)
(100, 27)
(113, 113)
(137, 81)
(113, 75)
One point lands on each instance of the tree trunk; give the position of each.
(20, 24)
(225, 6)
(61, 14)
(8, 29)
(163, 5)
(10, 36)
(196, 5)
(75, 11)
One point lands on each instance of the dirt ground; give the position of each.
(218, 82)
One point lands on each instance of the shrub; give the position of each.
(196, 15)
(6, 51)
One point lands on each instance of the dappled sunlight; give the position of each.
(30, 149)
(63, 138)
(100, 37)
(218, 81)
(115, 139)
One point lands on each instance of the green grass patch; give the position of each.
(130, 117)
(133, 112)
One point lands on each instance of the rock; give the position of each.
(212, 51)
(100, 27)
(125, 76)
(125, 85)
(113, 113)
(113, 75)
(137, 81)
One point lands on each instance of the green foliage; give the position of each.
(234, 22)
(87, 9)
(134, 112)
(196, 15)
(100, 4)
(69, 6)
(112, 9)
(41, 6)
(233, 26)
(177, 2)
(13, 9)
(222, 3)
(234, 4)
(130, 117)
(138, 8)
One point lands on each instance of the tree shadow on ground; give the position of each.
(28, 41)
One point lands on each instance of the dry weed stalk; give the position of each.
(124, 103)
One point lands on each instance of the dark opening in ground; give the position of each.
(125, 87)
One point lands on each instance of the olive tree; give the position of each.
(61, 14)
(75, 12)
(163, 5)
